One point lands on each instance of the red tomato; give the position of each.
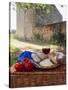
(19, 67)
(25, 65)
(26, 60)
(28, 66)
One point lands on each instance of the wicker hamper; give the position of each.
(56, 76)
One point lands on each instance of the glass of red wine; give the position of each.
(46, 50)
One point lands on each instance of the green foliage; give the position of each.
(26, 6)
(23, 5)
(18, 38)
(59, 38)
(39, 38)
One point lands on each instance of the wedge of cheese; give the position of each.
(46, 63)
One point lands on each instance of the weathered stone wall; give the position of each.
(20, 23)
(48, 30)
(27, 20)
(25, 23)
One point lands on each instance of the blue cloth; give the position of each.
(25, 54)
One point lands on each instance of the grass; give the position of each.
(14, 53)
(40, 43)
(37, 41)
(32, 41)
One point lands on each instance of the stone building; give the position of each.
(30, 21)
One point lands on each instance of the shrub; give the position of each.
(38, 37)
(59, 38)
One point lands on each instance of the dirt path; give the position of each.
(25, 45)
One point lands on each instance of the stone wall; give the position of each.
(25, 23)
(48, 30)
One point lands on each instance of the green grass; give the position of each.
(14, 53)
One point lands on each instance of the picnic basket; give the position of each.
(39, 77)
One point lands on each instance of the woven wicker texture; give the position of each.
(39, 77)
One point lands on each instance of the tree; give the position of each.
(40, 9)
(35, 6)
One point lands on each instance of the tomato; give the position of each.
(26, 60)
(19, 67)
(25, 65)
(28, 66)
